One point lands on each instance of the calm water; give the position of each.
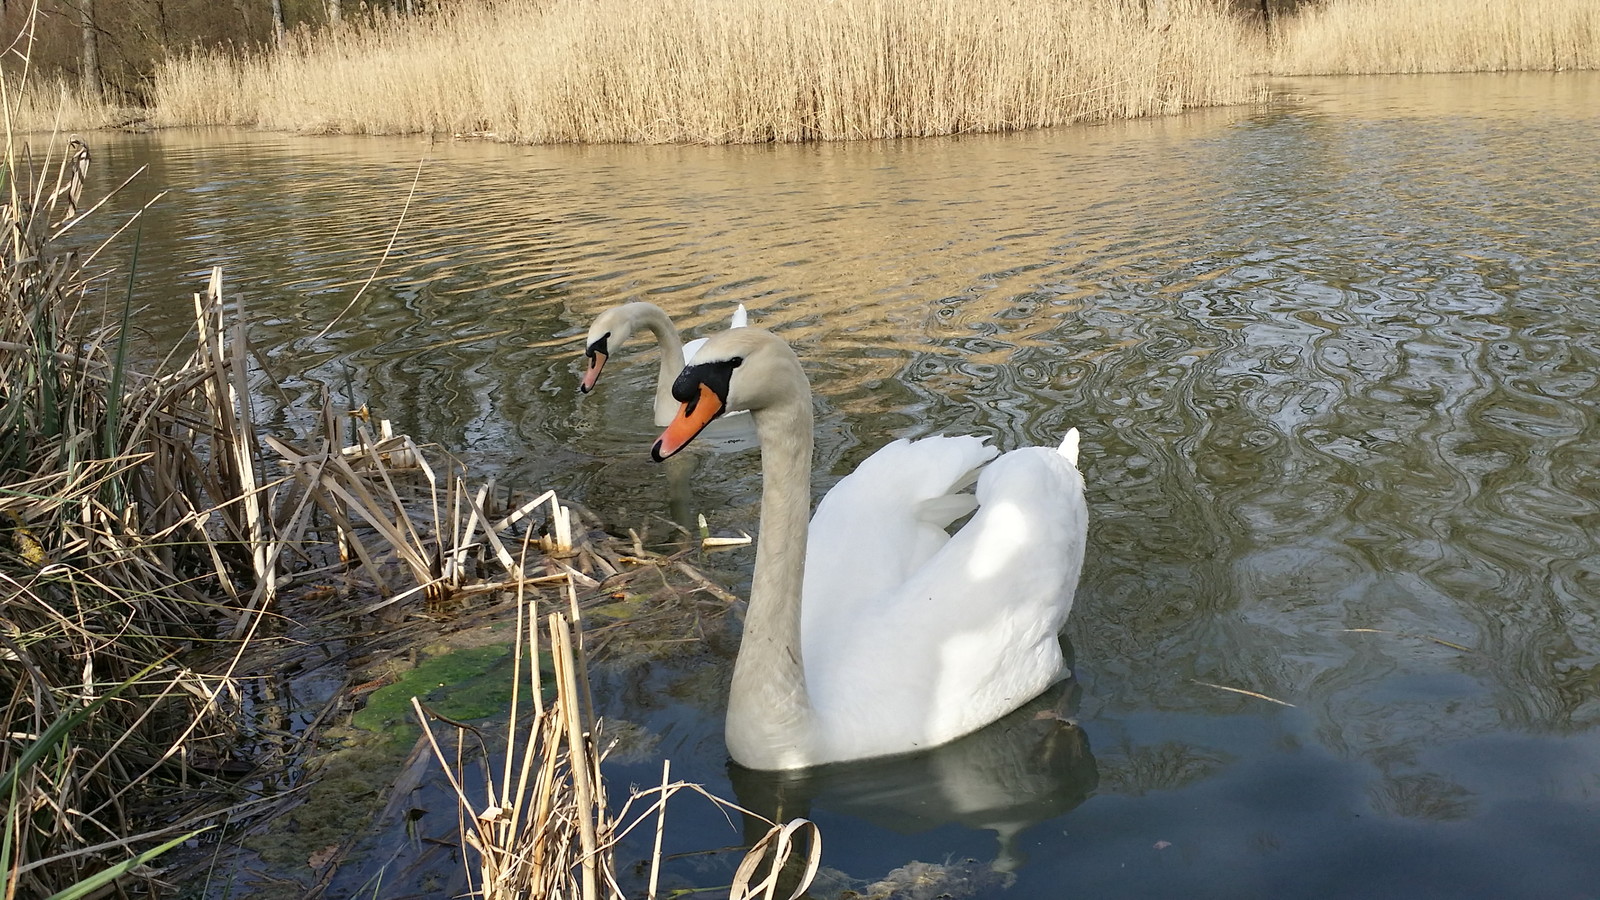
(1335, 363)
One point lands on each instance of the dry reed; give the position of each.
(725, 70)
(138, 521)
(118, 522)
(1374, 36)
(544, 828)
(46, 105)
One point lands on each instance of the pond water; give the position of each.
(1334, 361)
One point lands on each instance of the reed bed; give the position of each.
(719, 71)
(55, 105)
(151, 539)
(1372, 37)
(119, 522)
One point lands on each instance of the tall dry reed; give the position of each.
(542, 827)
(1376, 36)
(53, 104)
(726, 70)
(119, 524)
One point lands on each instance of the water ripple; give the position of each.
(1336, 367)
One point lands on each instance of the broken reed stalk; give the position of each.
(544, 825)
(543, 828)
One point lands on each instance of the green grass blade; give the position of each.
(101, 879)
(59, 729)
(52, 736)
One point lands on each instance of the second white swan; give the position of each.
(885, 635)
(612, 328)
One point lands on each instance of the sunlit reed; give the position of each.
(728, 70)
(43, 104)
(1376, 36)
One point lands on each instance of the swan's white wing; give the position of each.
(741, 319)
(884, 520)
(972, 633)
(689, 351)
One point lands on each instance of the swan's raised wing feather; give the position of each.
(885, 519)
(983, 614)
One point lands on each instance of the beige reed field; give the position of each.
(1358, 37)
(45, 104)
(720, 71)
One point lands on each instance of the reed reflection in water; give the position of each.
(1334, 362)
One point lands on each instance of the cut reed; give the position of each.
(719, 71)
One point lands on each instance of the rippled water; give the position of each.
(1335, 365)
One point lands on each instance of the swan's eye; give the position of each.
(714, 375)
(597, 346)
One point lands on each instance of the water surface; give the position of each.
(1334, 361)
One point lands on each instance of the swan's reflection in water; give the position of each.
(729, 434)
(1031, 766)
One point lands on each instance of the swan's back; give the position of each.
(971, 632)
(882, 521)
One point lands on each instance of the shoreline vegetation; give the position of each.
(159, 549)
(742, 71)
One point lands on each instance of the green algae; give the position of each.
(359, 762)
(474, 683)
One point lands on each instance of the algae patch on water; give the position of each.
(358, 764)
(469, 684)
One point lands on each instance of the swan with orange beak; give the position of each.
(875, 631)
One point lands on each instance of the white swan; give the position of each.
(612, 328)
(886, 635)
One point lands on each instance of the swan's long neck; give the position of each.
(656, 322)
(769, 710)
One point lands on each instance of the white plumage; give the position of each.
(881, 633)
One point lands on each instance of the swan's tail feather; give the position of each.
(1069, 446)
(741, 319)
(941, 511)
(904, 475)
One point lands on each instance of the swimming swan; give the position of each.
(885, 635)
(612, 328)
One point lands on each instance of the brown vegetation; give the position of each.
(1356, 37)
(742, 71)
(725, 70)
(116, 529)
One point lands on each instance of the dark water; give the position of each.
(1334, 360)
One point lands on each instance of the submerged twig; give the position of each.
(1255, 694)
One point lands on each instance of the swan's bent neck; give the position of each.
(770, 718)
(651, 318)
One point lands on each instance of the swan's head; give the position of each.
(741, 369)
(611, 329)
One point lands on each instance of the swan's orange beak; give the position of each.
(690, 420)
(597, 361)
